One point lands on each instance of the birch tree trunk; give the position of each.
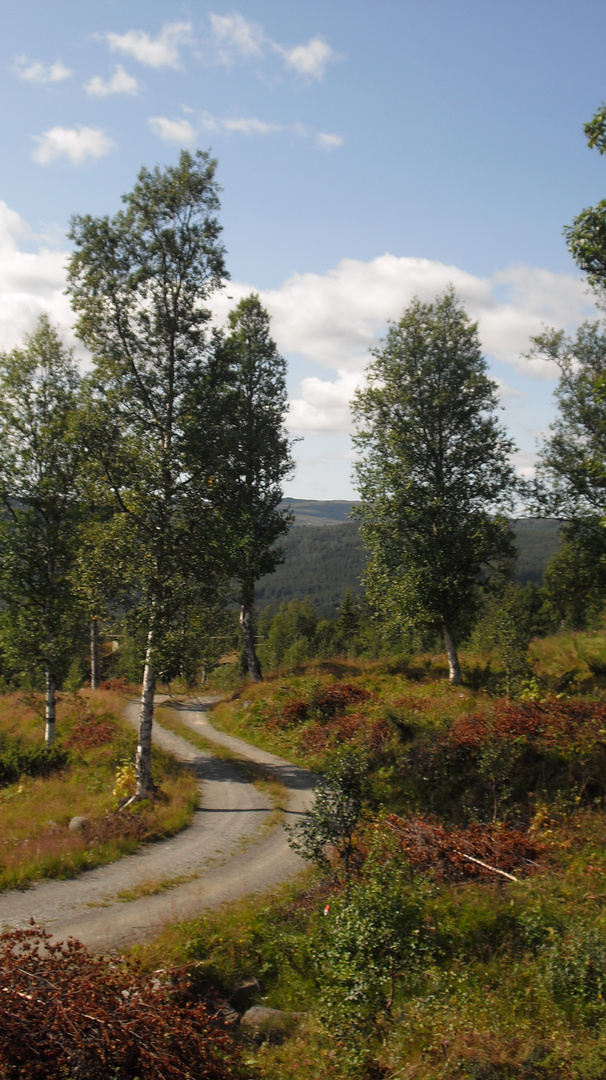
(451, 651)
(145, 783)
(94, 653)
(49, 707)
(246, 624)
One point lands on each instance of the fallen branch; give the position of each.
(486, 866)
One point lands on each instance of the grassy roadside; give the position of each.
(35, 810)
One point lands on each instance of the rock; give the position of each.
(51, 825)
(271, 1025)
(78, 823)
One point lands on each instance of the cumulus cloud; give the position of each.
(234, 38)
(310, 59)
(162, 51)
(76, 144)
(31, 282)
(120, 83)
(334, 318)
(323, 405)
(178, 131)
(34, 71)
(331, 320)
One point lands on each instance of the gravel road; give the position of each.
(230, 850)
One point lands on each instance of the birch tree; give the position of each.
(139, 282)
(256, 456)
(41, 452)
(434, 472)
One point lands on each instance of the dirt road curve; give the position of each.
(229, 847)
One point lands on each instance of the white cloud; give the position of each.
(329, 142)
(333, 319)
(34, 71)
(233, 37)
(310, 59)
(31, 282)
(120, 83)
(178, 131)
(244, 125)
(323, 404)
(251, 125)
(162, 51)
(77, 144)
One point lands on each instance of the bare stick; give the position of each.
(486, 866)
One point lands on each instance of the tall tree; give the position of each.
(139, 282)
(571, 473)
(586, 237)
(256, 456)
(572, 463)
(41, 452)
(434, 473)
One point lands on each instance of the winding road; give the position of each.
(230, 850)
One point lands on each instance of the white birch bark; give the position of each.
(451, 652)
(145, 783)
(50, 707)
(94, 653)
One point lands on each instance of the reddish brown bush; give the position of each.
(433, 847)
(294, 712)
(333, 700)
(121, 683)
(327, 702)
(66, 1013)
(373, 734)
(551, 720)
(91, 731)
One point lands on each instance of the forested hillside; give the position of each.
(323, 555)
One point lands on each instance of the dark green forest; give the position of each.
(324, 556)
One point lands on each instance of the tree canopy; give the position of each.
(41, 453)
(138, 283)
(255, 453)
(434, 471)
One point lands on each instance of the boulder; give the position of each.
(78, 823)
(271, 1025)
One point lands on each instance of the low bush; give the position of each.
(66, 1013)
(19, 759)
(458, 854)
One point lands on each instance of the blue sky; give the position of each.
(368, 152)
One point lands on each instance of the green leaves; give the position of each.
(434, 472)
(41, 453)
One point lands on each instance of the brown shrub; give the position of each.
(552, 720)
(121, 684)
(333, 700)
(91, 731)
(433, 847)
(66, 1013)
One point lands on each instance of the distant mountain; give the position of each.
(324, 556)
(318, 512)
